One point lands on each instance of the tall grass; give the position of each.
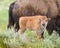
(10, 39)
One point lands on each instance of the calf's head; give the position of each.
(43, 24)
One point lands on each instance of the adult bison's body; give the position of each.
(50, 8)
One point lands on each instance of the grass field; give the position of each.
(9, 39)
(4, 4)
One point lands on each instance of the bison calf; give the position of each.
(37, 23)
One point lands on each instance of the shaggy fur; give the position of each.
(57, 23)
(37, 23)
(50, 8)
(14, 16)
(40, 6)
(54, 24)
(11, 20)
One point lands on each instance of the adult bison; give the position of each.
(50, 8)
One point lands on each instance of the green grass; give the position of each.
(4, 4)
(9, 39)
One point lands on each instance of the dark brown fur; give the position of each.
(54, 24)
(50, 8)
(11, 20)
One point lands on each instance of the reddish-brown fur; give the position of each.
(37, 23)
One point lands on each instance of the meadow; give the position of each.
(9, 39)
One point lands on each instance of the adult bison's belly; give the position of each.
(41, 7)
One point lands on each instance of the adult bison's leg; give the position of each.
(57, 23)
(51, 26)
(11, 23)
(17, 26)
(11, 20)
(16, 20)
(58, 31)
(50, 30)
